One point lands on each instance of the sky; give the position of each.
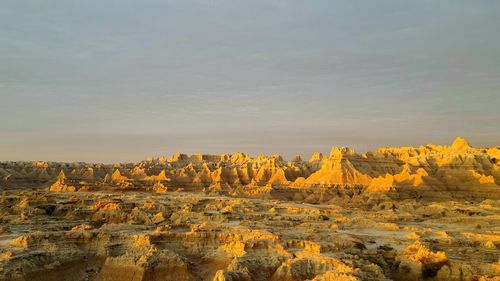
(118, 81)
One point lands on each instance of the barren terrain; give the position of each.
(427, 213)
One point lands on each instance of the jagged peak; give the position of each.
(117, 176)
(277, 157)
(460, 145)
(316, 156)
(61, 176)
(239, 157)
(335, 152)
(116, 173)
(406, 170)
(338, 152)
(162, 176)
(261, 157)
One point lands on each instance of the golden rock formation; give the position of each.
(408, 213)
(191, 236)
(431, 167)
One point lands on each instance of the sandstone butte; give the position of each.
(408, 213)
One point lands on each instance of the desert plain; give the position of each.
(407, 213)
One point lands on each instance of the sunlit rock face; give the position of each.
(48, 235)
(431, 167)
(426, 213)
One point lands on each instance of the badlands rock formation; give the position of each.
(458, 167)
(426, 213)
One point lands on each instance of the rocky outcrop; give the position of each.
(458, 167)
(97, 236)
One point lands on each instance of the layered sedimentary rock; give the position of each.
(426, 213)
(431, 167)
(140, 236)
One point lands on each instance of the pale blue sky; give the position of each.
(100, 80)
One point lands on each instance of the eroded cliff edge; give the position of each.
(427, 213)
(458, 167)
